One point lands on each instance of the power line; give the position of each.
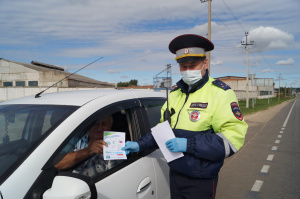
(233, 15)
(240, 26)
(223, 22)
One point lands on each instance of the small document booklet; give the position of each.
(162, 133)
(115, 141)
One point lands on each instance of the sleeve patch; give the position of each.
(236, 111)
(221, 84)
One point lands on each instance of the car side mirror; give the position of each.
(69, 185)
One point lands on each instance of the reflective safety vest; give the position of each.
(213, 106)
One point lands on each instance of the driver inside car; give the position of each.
(86, 157)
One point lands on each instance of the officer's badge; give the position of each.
(194, 116)
(236, 110)
(186, 51)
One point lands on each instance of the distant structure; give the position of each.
(258, 88)
(36, 74)
(163, 82)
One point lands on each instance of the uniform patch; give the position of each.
(236, 110)
(194, 116)
(198, 105)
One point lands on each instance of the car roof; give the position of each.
(79, 98)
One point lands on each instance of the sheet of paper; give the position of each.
(162, 133)
(115, 141)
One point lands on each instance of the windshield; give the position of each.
(22, 128)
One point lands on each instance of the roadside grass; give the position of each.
(260, 104)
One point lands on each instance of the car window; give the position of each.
(153, 113)
(95, 165)
(22, 128)
(152, 108)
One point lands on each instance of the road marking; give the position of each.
(279, 136)
(287, 118)
(282, 128)
(270, 157)
(277, 141)
(265, 169)
(281, 132)
(257, 185)
(274, 148)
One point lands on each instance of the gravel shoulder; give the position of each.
(265, 115)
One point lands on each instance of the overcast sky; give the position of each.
(133, 36)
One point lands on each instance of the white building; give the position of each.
(20, 79)
(258, 87)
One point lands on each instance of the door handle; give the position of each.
(144, 184)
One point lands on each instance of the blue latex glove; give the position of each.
(131, 147)
(177, 144)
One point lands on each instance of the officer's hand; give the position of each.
(177, 144)
(131, 147)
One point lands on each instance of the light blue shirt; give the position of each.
(94, 165)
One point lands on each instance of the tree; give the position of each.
(132, 82)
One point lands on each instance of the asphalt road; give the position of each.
(268, 166)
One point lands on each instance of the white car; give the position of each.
(35, 131)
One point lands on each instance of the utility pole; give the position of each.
(252, 78)
(247, 84)
(208, 31)
(279, 77)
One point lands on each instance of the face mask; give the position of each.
(190, 77)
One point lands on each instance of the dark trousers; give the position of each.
(185, 187)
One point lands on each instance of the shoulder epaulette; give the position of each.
(221, 84)
(175, 88)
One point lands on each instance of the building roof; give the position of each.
(230, 78)
(236, 78)
(38, 66)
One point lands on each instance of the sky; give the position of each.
(133, 36)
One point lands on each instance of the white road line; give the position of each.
(277, 141)
(282, 128)
(270, 157)
(265, 169)
(279, 136)
(281, 132)
(287, 118)
(257, 185)
(274, 148)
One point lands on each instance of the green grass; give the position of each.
(261, 104)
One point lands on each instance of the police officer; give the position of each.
(206, 120)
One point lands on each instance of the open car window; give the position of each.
(95, 166)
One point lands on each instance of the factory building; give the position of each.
(36, 74)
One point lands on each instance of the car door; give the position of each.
(137, 178)
(152, 114)
(132, 178)
(147, 173)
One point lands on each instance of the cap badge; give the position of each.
(186, 51)
(194, 116)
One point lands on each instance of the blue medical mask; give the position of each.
(190, 77)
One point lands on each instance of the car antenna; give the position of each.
(39, 94)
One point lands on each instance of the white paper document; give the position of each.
(115, 141)
(162, 133)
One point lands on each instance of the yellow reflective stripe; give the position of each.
(191, 55)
